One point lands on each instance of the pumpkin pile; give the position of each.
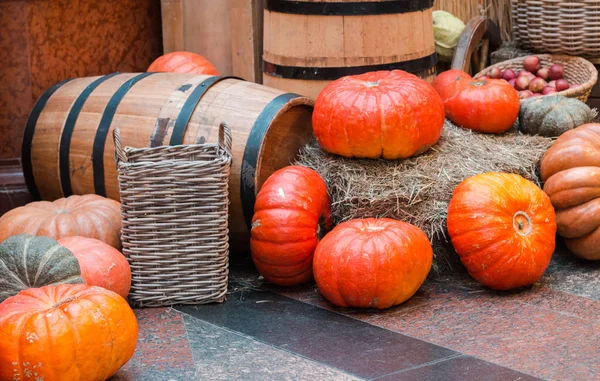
(501, 225)
(63, 284)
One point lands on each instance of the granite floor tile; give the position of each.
(570, 274)
(223, 355)
(460, 368)
(163, 352)
(539, 331)
(347, 344)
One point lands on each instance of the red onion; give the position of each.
(556, 71)
(483, 77)
(512, 82)
(552, 84)
(543, 73)
(525, 94)
(537, 85)
(495, 73)
(549, 90)
(531, 64)
(526, 74)
(509, 74)
(561, 84)
(521, 83)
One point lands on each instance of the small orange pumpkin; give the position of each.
(372, 263)
(484, 105)
(291, 213)
(65, 332)
(183, 62)
(101, 265)
(503, 228)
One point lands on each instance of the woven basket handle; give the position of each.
(119, 154)
(225, 139)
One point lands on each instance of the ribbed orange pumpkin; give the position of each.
(291, 213)
(101, 265)
(89, 216)
(65, 333)
(372, 263)
(503, 228)
(571, 171)
(183, 62)
(388, 114)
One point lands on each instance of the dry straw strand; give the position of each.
(418, 190)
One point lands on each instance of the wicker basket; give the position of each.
(174, 203)
(577, 70)
(558, 26)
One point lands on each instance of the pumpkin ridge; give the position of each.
(110, 328)
(13, 275)
(47, 255)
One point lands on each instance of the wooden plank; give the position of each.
(207, 31)
(246, 39)
(172, 25)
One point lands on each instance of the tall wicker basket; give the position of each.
(174, 204)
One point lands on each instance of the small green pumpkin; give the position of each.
(30, 262)
(553, 115)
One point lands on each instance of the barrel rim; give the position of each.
(254, 149)
(341, 8)
(414, 66)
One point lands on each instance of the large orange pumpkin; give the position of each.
(89, 216)
(101, 265)
(374, 263)
(503, 228)
(487, 105)
(183, 62)
(291, 213)
(571, 171)
(65, 332)
(388, 114)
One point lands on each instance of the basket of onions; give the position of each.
(545, 74)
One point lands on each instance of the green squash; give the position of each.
(30, 262)
(553, 115)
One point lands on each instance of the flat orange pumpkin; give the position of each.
(372, 263)
(65, 333)
(387, 114)
(89, 216)
(503, 228)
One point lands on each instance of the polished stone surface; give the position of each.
(225, 355)
(452, 329)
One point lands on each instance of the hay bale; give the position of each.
(418, 190)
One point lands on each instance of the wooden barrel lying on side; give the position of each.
(68, 146)
(309, 43)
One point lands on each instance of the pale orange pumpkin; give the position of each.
(65, 333)
(89, 216)
(101, 265)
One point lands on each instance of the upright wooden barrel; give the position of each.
(309, 43)
(68, 146)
